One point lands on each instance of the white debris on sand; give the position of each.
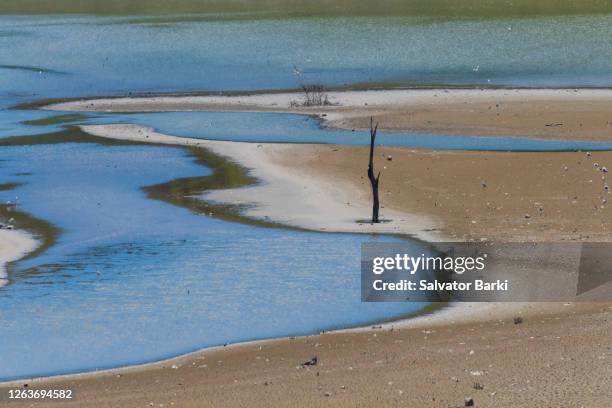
(14, 245)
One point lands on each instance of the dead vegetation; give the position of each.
(314, 94)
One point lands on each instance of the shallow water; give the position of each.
(113, 290)
(290, 128)
(133, 280)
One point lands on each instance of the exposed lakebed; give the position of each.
(128, 279)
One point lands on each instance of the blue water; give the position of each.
(289, 128)
(102, 55)
(70, 56)
(133, 280)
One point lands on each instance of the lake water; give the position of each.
(131, 279)
(289, 128)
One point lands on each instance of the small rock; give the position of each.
(312, 362)
(469, 402)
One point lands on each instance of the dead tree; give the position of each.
(373, 180)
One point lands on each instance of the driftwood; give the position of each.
(373, 180)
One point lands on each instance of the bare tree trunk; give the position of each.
(373, 180)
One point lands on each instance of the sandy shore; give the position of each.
(559, 359)
(14, 245)
(285, 194)
(432, 195)
(543, 113)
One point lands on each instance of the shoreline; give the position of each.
(549, 113)
(404, 358)
(260, 202)
(426, 314)
(448, 315)
(453, 318)
(284, 196)
(251, 156)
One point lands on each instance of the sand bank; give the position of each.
(285, 194)
(450, 195)
(543, 113)
(14, 245)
